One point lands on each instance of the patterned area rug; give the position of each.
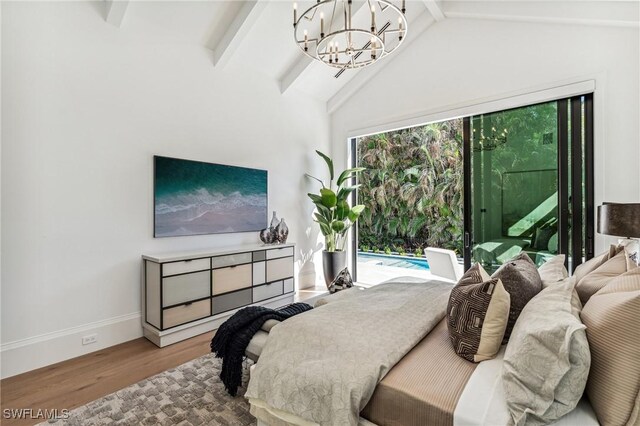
(191, 394)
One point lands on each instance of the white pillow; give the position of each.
(547, 360)
(553, 271)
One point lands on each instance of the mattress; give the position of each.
(424, 387)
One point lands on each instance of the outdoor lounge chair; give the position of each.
(443, 263)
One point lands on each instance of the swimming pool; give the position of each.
(394, 260)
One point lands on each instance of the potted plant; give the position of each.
(335, 216)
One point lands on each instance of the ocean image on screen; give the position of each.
(193, 198)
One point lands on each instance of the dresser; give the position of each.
(190, 293)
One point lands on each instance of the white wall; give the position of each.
(464, 63)
(85, 106)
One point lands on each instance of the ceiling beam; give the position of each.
(416, 28)
(116, 10)
(294, 72)
(544, 19)
(237, 30)
(434, 9)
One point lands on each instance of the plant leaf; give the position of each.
(338, 225)
(343, 193)
(342, 210)
(325, 212)
(347, 174)
(329, 198)
(315, 198)
(355, 212)
(328, 161)
(314, 178)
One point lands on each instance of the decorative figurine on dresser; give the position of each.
(276, 233)
(189, 293)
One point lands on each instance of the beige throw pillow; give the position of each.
(612, 317)
(553, 271)
(590, 265)
(477, 315)
(597, 279)
(547, 360)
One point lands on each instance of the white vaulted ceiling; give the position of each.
(259, 34)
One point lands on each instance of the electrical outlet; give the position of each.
(91, 338)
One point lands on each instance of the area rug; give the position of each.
(191, 394)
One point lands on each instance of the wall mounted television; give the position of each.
(195, 198)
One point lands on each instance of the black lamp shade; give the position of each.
(622, 220)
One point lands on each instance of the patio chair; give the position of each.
(443, 263)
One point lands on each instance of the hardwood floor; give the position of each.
(75, 382)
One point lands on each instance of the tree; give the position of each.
(412, 187)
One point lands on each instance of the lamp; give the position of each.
(622, 220)
(330, 31)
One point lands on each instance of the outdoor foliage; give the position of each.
(412, 188)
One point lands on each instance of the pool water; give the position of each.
(394, 260)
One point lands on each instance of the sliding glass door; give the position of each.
(527, 183)
(487, 187)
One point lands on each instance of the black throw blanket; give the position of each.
(233, 337)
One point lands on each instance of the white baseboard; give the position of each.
(35, 352)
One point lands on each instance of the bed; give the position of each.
(428, 384)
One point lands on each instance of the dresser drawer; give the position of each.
(288, 285)
(267, 291)
(186, 313)
(259, 255)
(279, 269)
(232, 278)
(172, 268)
(184, 288)
(230, 301)
(280, 252)
(230, 259)
(259, 275)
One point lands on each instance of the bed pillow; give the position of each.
(612, 317)
(477, 315)
(522, 281)
(592, 264)
(546, 363)
(553, 271)
(597, 279)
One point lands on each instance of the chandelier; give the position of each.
(332, 32)
(489, 143)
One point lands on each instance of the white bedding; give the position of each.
(483, 403)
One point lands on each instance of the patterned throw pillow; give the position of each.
(342, 281)
(612, 317)
(522, 281)
(477, 315)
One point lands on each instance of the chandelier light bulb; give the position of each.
(373, 18)
(295, 13)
